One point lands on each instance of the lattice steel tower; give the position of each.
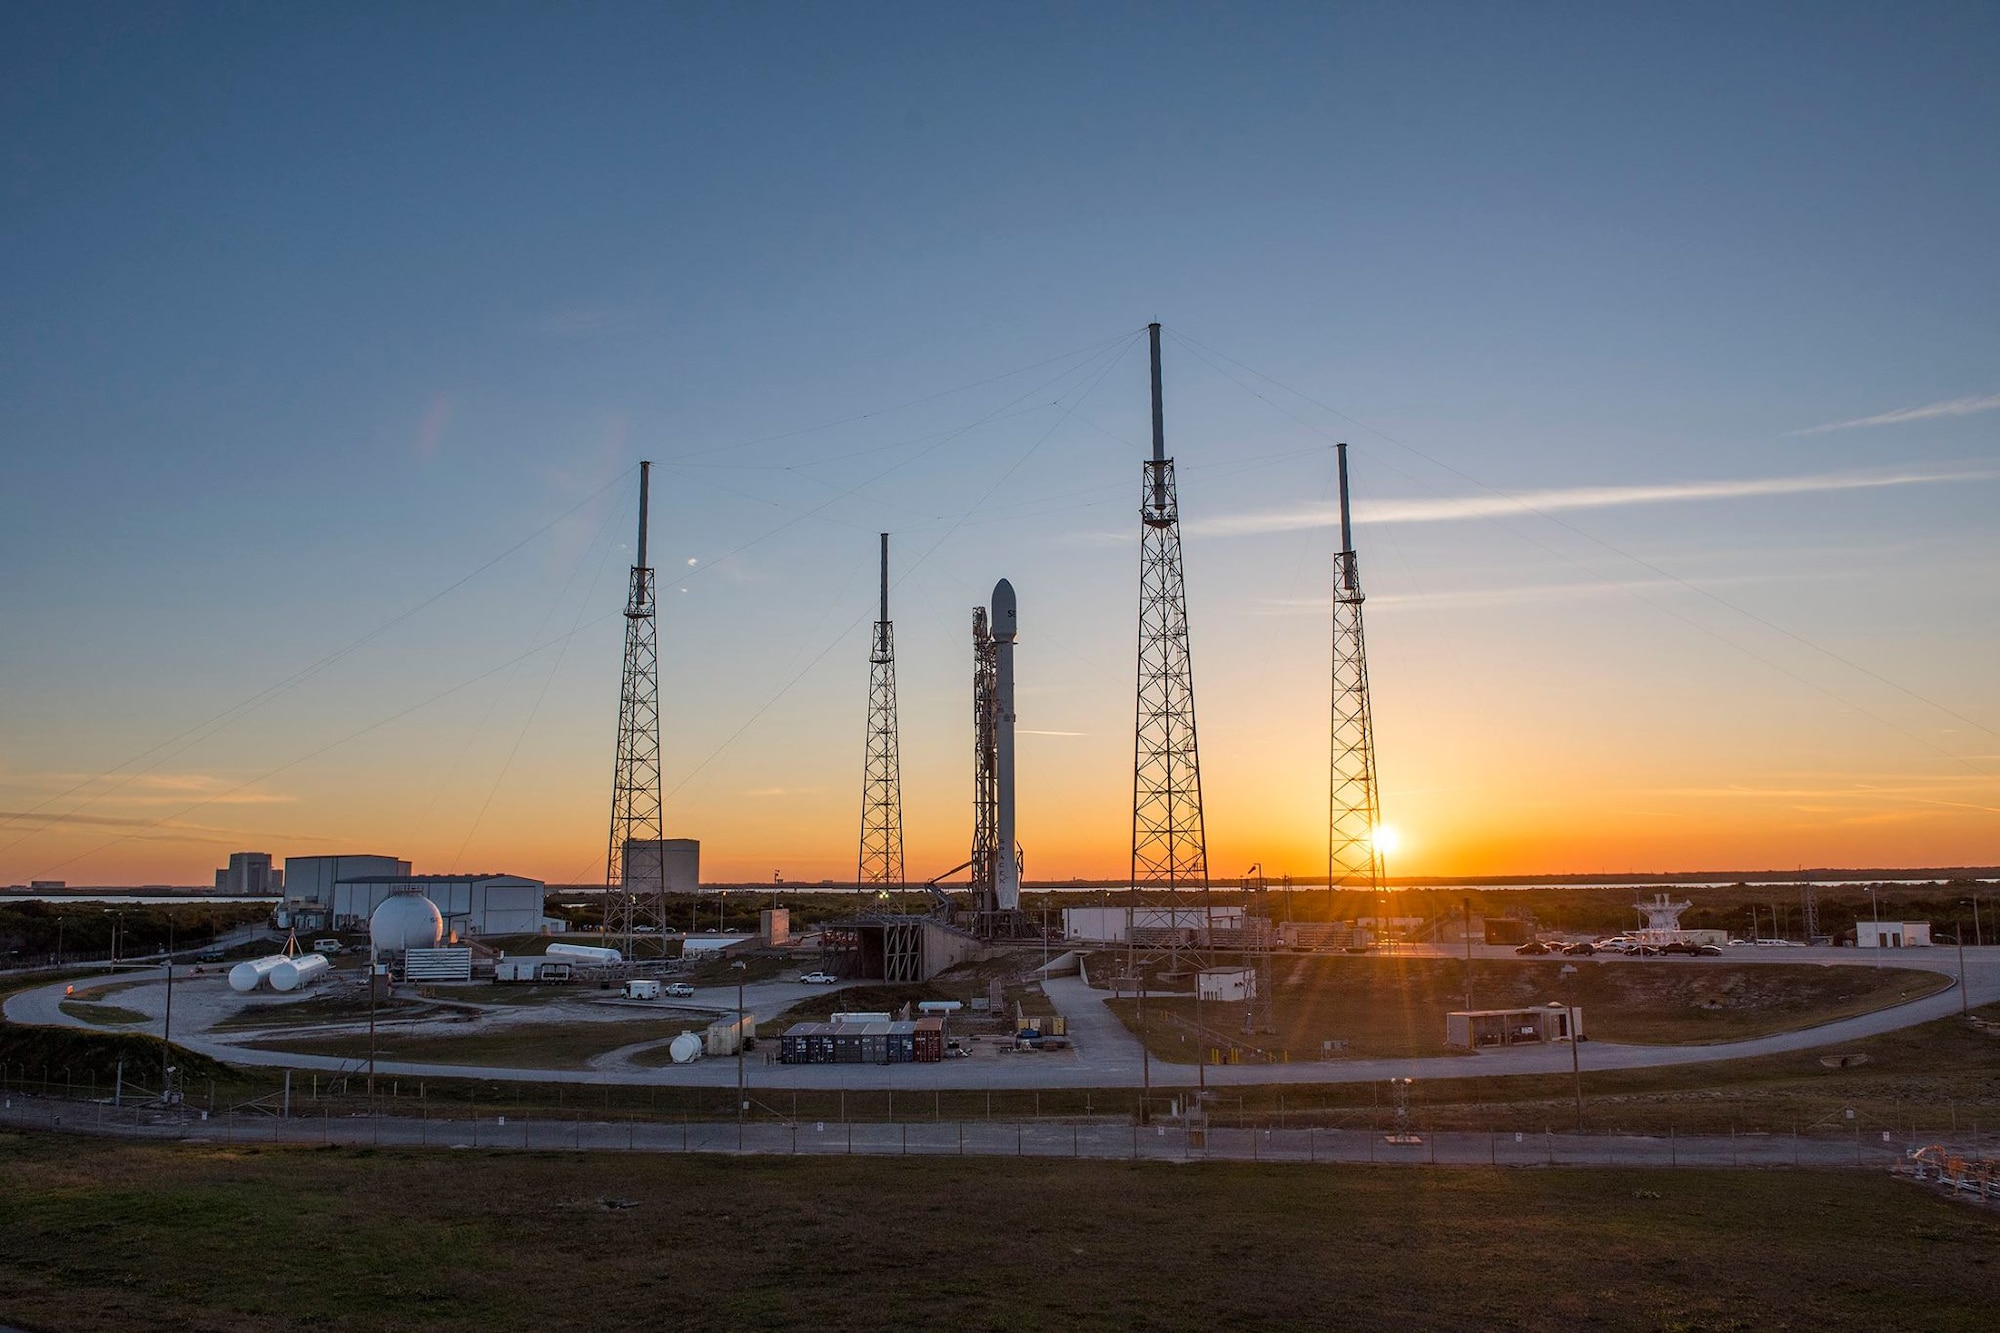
(634, 863)
(1169, 840)
(1354, 861)
(881, 772)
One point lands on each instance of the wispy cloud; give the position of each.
(766, 792)
(1457, 508)
(1462, 599)
(1023, 731)
(1951, 407)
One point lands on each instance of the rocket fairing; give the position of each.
(1006, 625)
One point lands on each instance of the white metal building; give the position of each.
(309, 880)
(1112, 925)
(472, 905)
(1892, 934)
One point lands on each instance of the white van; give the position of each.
(642, 990)
(328, 946)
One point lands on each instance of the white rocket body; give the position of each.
(1007, 875)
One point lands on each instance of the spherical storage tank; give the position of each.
(296, 972)
(246, 977)
(406, 920)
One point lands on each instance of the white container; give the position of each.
(642, 990)
(296, 972)
(585, 953)
(246, 977)
(685, 1049)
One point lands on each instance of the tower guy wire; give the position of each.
(1169, 925)
(1354, 854)
(881, 863)
(635, 900)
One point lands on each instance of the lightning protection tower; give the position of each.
(1169, 840)
(1354, 861)
(881, 773)
(634, 864)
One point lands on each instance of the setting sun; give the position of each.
(1386, 839)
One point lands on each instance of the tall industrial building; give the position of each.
(1169, 838)
(636, 905)
(1354, 856)
(881, 864)
(249, 873)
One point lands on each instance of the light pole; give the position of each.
(1465, 906)
(742, 1102)
(167, 1026)
(61, 919)
(1575, 1061)
(1964, 1004)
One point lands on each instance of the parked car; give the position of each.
(1582, 947)
(819, 978)
(1710, 950)
(680, 990)
(1531, 947)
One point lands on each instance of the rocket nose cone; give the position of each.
(1005, 620)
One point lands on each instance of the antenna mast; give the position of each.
(881, 773)
(634, 862)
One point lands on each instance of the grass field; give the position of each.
(321, 1009)
(108, 1235)
(541, 1045)
(1396, 1006)
(104, 1015)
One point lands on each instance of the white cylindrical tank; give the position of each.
(296, 972)
(585, 953)
(403, 921)
(685, 1049)
(246, 977)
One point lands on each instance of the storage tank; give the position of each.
(246, 977)
(405, 920)
(685, 1049)
(585, 953)
(296, 972)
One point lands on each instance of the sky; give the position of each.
(1664, 340)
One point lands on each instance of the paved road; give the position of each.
(1100, 1139)
(1107, 1055)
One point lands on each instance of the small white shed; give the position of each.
(1892, 934)
(1228, 983)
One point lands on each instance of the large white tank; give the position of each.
(296, 972)
(246, 977)
(685, 1049)
(405, 920)
(585, 953)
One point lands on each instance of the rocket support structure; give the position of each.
(1005, 626)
